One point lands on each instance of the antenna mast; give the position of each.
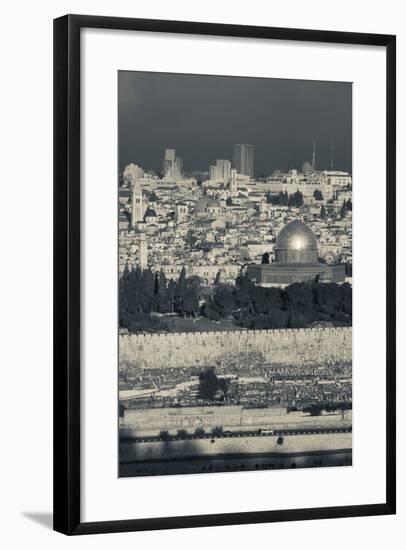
(314, 156)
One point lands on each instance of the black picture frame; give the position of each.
(67, 296)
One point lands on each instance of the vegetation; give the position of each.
(141, 293)
(211, 387)
(285, 199)
(317, 408)
(345, 207)
(295, 306)
(164, 435)
(265, 258)
(145, 297)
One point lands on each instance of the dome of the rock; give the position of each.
(296, 243)
(296, 260)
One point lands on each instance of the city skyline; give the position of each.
(234, 285)
(204, 117)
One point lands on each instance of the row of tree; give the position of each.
(283, 198)
(345, 207)
(295, 306)
(143, 293)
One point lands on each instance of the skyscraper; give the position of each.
(214, 173)
(177, 168)
(225, 168)
(220, 171)
(172, 165)
(243, 160)
(169, 159)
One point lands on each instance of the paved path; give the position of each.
(254, 433)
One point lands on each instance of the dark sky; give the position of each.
(202, 117)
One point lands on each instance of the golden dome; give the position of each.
(296, 243)
(296, 235)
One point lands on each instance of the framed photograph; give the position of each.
(224, 303)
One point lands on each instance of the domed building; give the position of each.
(296, 244)
(296, 260)
(201, 205)
(213, 207)
(150, 216)
(207, 207)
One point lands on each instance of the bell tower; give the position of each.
(137, 206)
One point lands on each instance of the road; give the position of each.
(252, 433)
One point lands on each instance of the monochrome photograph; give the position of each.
(234, 273)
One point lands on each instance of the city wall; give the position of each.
(287, 346)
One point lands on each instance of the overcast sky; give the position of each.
(202, 117)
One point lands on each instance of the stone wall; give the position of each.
(288, 346)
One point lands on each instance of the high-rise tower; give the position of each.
(169, 159)
(243, 160)
(172, 166)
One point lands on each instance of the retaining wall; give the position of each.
(142, 422)
(248, 445)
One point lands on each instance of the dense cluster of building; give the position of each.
(292, 226)
(250, 382)
(216, 226)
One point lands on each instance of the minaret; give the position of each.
(143, 252)
(137, 206)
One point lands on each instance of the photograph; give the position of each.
(235, 273)
(213, 354)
